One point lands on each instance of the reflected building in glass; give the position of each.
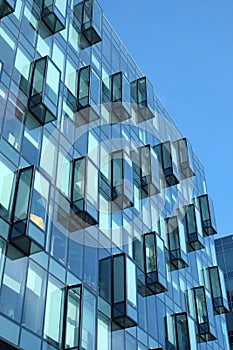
(224, 251)
(106, 227)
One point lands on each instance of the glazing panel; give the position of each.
(61, 6)
(104, 335)
(202, 313)
(131, 282)
(95, 88)
(205, 208)
(191, 219)
(7, 179)
(38, 76)
(88, 321)
(150, 253)
(145, 161)
(166, 153)
(183, 151)
(142, 93)
(52, 82)
(117, 167)
(161, 256)
(73, 317)
(92, 184)
(39, 204)
(2, 256)
(71, 77)
(105, 277)
(12, 289)
(33, 313)
(117, 87)
(87, 13)
(84, 87)
(23, 194)
(97, 16)
(118, 279)
(54, 311)
(79, 179)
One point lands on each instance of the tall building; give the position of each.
(224, 251)
(107, 231)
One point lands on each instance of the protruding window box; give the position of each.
(79, 325)
(119, 286)
(155, 280)
(6, 7)
(7, 346)
(176, 244)
(54, 15)
(185, 157)
(142, 97)
(84, 191)
(90, 15)
(88, 99)
(146, 171)
(207, 215)
(218, 290)
(204, 313)
(192, 221)
(44, 91)
(168, 161)
(179, 329)
(122, 180)
(30, 211)
(120, 98)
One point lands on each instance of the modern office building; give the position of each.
(224, 251)
(106, 227)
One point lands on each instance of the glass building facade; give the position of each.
(224, 251)
(106, 227)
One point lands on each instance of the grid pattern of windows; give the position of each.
(106, 230)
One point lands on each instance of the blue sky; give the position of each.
(185, 47)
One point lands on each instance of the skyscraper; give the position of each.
(106, 236)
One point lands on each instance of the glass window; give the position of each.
(131, 282)
(12, 290)
(54, 311)
(117, 87)
(39, 204)
(33, 313)
(166, 147)
(2, 256)
(23, 194)
(182, 332)
(89, 321)
(92, 184)
(71, 77)
(73, 317)
(105, 284)
(52, 82)
(104, 329)
(61, 5)
(38, 77)
(6, 188)
(79, 179)
(150, 253)
(84, 87)
(118, 279)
